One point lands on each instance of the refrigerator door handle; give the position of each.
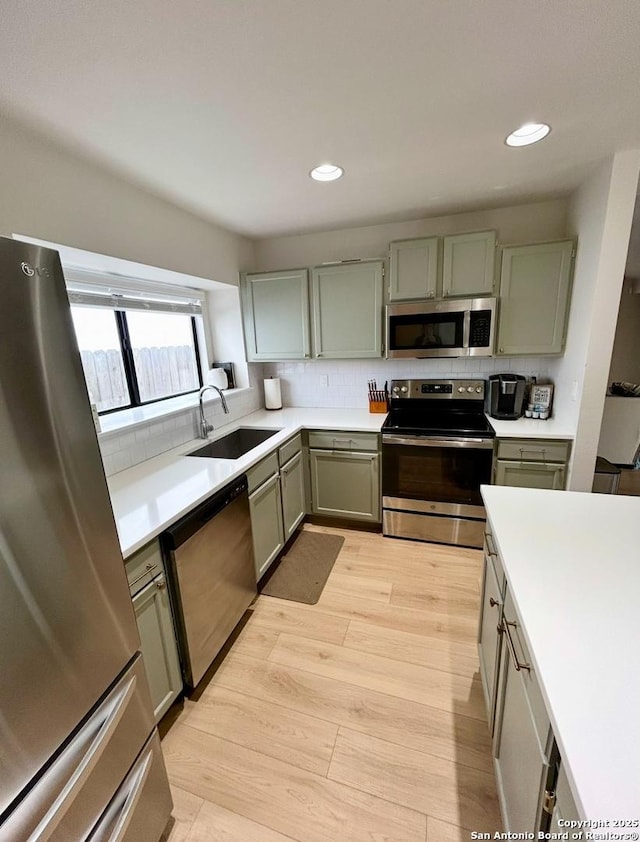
(82, 755)
(136, 786)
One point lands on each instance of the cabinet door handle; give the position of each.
(512, 648)
(490, 546)
(493, 603)
(161, 584)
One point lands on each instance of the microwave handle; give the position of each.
(466, 328)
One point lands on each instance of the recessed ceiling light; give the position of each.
(326, 172)
(529, 133)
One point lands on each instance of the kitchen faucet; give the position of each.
(205, 427)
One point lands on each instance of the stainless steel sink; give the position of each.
(235, 444)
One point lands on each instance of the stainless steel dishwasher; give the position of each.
(211, 575)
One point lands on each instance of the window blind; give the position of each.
(117, 292)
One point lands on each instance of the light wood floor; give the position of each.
(359, 718)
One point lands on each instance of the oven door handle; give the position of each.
(426, 441)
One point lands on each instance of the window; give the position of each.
(136, 346)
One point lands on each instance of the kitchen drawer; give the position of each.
(341, 440)
(529, 677)
(262, 471)
(289, 449)
(533, 450)
(143, 565)
(491, 552)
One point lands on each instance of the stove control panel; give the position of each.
(438, 389)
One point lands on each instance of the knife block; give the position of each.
(378, 406)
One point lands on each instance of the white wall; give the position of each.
(518, 224)
(48, 193)
(600, 215)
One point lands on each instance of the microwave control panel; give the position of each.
(480, 329)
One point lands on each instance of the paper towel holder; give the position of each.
(272, 396)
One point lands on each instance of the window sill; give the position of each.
(128, 419)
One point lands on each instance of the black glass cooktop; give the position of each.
(437, 422)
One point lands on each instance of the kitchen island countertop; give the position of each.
(153, 494)
(572, 563)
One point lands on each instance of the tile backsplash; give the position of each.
(122, 449)
(343, 383)
(321, 383)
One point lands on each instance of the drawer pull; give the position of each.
(512, 648)
(342, 441)
(142, 575)
(493, 603)
(490, 546)
(538, 452)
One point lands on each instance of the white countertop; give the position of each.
(153, 494)
(532, 428)
(572, 562)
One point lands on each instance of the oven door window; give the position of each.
(436, 474)
(427, 331)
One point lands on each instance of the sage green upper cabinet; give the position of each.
(535, 284)
(413, 269)
(275, 312)
(347, 310)
(468, 267)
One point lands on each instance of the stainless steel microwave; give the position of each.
(453, 328)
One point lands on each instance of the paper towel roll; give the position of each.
(272, 396)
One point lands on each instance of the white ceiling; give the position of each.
(224, 106)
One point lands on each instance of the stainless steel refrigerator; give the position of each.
(80, 756)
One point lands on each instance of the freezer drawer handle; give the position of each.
(134, 790)
(97, 732)
(512, 648)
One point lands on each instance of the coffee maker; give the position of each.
(506, 396)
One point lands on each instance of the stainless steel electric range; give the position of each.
(437, 450)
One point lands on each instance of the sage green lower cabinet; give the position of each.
(535, 284)
(489, 640)
(530, 474)
(520, 764)
(521, 732)
(532, 463)
(292, 491)
(345, 484)
(158, 643)
(276, 501)
(266, 523)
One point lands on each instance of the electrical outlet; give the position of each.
(324, 380)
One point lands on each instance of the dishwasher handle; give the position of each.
(188, 525)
